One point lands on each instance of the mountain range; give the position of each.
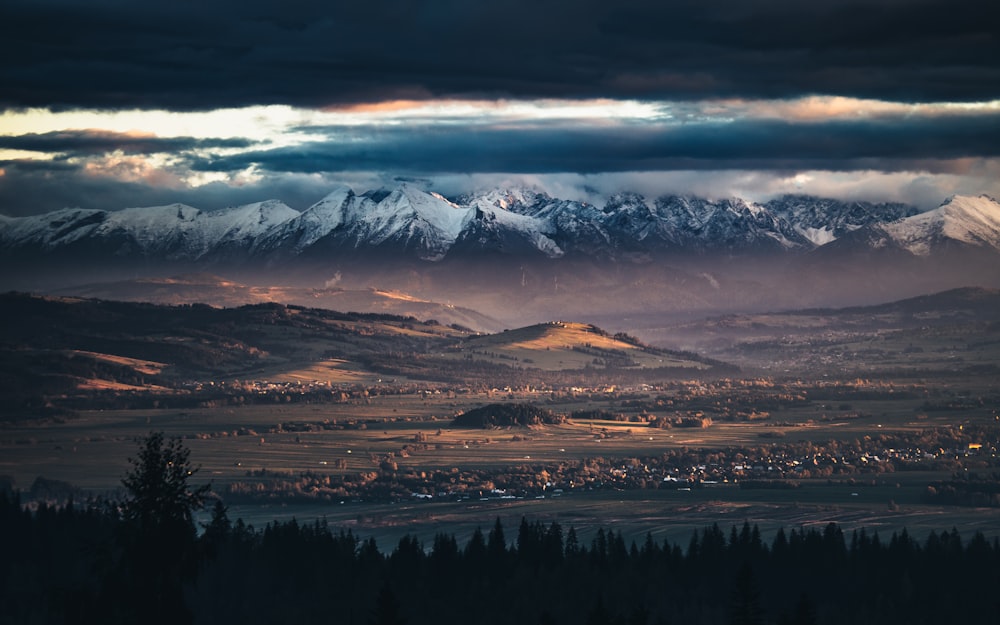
(408, 222)
(518, 255)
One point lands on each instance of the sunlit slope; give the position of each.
(567, 346)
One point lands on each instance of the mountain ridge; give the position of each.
(409, 222)
(520, 255)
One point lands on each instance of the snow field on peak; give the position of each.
(969, 220)
(314, 223)
(536, 230)
(818, 236)
(450, 219)
(243, 222)
(60, 227)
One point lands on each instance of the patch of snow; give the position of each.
(711, 280)
(819, 236)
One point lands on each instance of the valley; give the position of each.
(854, 415)
(531, 313)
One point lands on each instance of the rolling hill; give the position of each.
(568, 346)
(55, 349)
(954, 330)
(218, 291)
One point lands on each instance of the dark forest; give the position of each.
(144, 559)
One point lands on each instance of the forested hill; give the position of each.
(506, 415)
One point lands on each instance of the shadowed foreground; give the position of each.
(112, 564)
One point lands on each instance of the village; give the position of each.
(726, 397)
(862, 462)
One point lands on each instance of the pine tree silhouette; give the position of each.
(157, 537)
(805, 612)
(744, 604)
(386, 610)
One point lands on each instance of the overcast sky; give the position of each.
(116, 103)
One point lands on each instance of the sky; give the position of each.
(113, 103)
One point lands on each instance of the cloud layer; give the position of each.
(898, 144)
(186, 56)
(108, 103)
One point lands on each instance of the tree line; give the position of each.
(144, 559)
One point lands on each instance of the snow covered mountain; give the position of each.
(411, 221)
(731, 224)
(961, 221)
(313, 224)
(408, 222)
(50, 231)
(171, 232)
(961, 225)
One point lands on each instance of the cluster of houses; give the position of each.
(776, 466)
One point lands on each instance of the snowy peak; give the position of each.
(731, 224)
(312, 225)
(51, 230)
(495, 229)
(431, 208)
(963, 220)
(411, 221)
(632, 220)
(519, 200)
(255, 218)
(337, 197)
(151, 231)
(179, 231)
(152, 218)
(241, 225)
(972, 220)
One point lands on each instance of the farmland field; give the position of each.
(260, 443)
(91, 451)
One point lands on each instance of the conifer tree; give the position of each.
(158, 491)
(158, 536)
(744, 604)
(386, 610)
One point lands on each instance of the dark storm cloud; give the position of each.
(48, 166)
(187, 56)
(90, 142)
(927, 143)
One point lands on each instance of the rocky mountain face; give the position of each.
(823, 220)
